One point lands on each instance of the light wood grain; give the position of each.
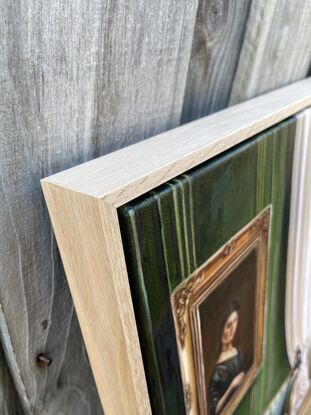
(78, 79)
(276, 48)
(306, 405)
(83, 202)
(100, 288)
(130, 172)
(81, 79)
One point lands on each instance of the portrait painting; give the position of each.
(219, 321)
(225, 316)
(206, 256)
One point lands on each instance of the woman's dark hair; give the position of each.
(233, 306)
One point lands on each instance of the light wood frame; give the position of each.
(83, 203)
(188, 296)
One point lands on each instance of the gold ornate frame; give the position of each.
(188, 296)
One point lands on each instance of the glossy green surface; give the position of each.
(172, 230)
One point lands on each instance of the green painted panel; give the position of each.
(169, 232)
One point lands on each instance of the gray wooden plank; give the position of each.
(276, 48)
(78, 79)
(9, 401)
(217, 40)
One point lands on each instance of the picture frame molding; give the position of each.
(83, 202)
(190, 293)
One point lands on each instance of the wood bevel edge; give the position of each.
(305, 408)
(107, 178)
(88, 236)
(145, 183)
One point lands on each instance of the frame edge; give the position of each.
(85, 227)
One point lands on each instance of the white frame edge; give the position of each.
(298, 281)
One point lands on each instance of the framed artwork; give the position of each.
(175, 253)
(219, 321)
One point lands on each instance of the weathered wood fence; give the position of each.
(79, 79)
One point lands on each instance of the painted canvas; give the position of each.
(171, 236)
(219, 320)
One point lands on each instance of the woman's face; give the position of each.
(230, 327)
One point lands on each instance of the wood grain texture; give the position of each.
(130, 172)
(83, 203)
(99, 284)
(306, 406)
(244, 48)
(9, 401)
(217, 41)
(78, 79)
(276, 48)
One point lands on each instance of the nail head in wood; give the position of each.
(43, 359)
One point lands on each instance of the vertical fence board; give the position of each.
(9, 402)
(83, 78)
(78, 79)
(216, 46)
(276, 49)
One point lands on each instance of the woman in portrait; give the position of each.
(228, 372)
